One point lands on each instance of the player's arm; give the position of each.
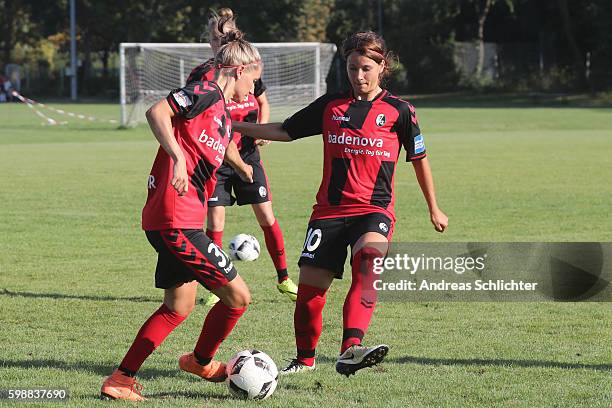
(264, 108)
(267, 131)
(232, 157)
(305, 122)
(159, 117)
(407, 127)
(425, 179)
(264, 114)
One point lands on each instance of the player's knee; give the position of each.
(182, 309)
(238, 298)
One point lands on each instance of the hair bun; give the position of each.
(232, 36)
(225, 12)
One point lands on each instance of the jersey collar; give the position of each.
(354, 100)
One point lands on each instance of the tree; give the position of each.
(569, 34)
(313, 19)
(483, 7)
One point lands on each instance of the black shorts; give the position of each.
(327, 239)
(256, 192)
(185, 255)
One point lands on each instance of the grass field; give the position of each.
(76, 272)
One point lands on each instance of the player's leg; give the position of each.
(219, 199)
(215, 218)
(370, 242)
(308, 316)
(322, 260)
(218, 324)
(179, 300)
(276, 247)
(258, 195)
(215, 223)
(213, 269)
(178, 303)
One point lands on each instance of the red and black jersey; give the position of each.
(245, 111)
(361, 145)
(202, 128)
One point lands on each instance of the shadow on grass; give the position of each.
(104, 370)
(484, 362)
(498, 362)
(511, 100)
(8, 293)
(83, 366)
(192, 395)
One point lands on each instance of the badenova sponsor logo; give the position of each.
(212, 142)
(345, 139)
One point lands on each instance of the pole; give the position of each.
(380, 17)
(122, 97)
(317, 78)
(73, 56)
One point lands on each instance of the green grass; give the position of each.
(76, 272)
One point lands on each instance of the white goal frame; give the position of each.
(311, 62)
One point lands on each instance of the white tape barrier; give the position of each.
(31, 104)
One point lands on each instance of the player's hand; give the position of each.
(439, 220)
(261, 142)
(246, 173)
(180, 179)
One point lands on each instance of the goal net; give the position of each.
(294, 73)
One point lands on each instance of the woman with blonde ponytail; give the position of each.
(233, 181)
(193, 129)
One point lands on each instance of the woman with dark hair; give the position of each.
(363, 131)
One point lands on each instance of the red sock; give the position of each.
(361, 298)
(308, 321)
(275, 245)
(216, 236)
(218, 324)
(151, 335)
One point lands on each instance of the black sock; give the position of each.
(202, 360)
(127, 372)
(282, 274)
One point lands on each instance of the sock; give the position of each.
(218, 324)
(308, 321)
(282, 275)
(202, 360)
(276, 248)
(216, 236)
(361, 298)
(151, 335)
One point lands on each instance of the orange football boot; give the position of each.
(213, 371)
(121, 386)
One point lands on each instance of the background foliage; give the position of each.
(542, 45)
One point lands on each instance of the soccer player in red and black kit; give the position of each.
(363, 131)
(256, 191)
(193, 128)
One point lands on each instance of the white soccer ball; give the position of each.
(244, 247)
(251, 374)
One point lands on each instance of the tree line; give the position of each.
(544, 45)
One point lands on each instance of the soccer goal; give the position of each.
(294, 73)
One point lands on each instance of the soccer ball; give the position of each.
(251, 374)
(244, 247)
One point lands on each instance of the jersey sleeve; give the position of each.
(409, 133)
(193, 99)
(260, 88)
(309, 120)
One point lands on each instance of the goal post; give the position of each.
(294, 73)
